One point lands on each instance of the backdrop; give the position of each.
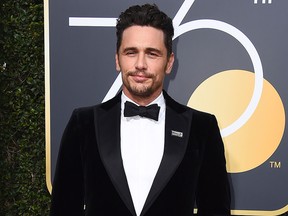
(231, 60)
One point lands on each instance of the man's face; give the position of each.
(143, 62)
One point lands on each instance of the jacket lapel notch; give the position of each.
(107, 126)
(177, 129)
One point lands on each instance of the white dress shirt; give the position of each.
(142, 148)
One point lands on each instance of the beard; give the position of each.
(143, 90)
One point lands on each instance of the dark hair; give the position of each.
(146, 15)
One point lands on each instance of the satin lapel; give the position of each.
(177, 130)
(107, 124)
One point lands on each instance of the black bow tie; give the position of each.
(151, 111)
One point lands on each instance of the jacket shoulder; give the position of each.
(181, 108)
(88, 112)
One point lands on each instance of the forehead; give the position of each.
(143, 36)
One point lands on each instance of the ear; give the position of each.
(170, 64)
(118, 68)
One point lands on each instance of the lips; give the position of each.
(139, 77)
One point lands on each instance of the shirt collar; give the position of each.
(160, 101)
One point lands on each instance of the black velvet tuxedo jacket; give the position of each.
(90, 171)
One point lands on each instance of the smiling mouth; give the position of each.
(139, 76)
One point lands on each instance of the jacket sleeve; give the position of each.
(67, 191)
(213, 195)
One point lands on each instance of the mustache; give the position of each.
(140, 73)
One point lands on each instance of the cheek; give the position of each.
(127, 65)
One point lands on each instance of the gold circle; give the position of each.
(227, 95)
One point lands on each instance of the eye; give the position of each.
(130, 53)
(153, 54)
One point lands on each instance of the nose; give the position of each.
(141, 63)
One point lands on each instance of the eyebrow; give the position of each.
(149, 49)
(129, 49)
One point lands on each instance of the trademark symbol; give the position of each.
(275, 164)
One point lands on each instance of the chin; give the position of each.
(141, 92)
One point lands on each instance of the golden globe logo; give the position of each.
(227, 95)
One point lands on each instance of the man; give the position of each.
(141, 153)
